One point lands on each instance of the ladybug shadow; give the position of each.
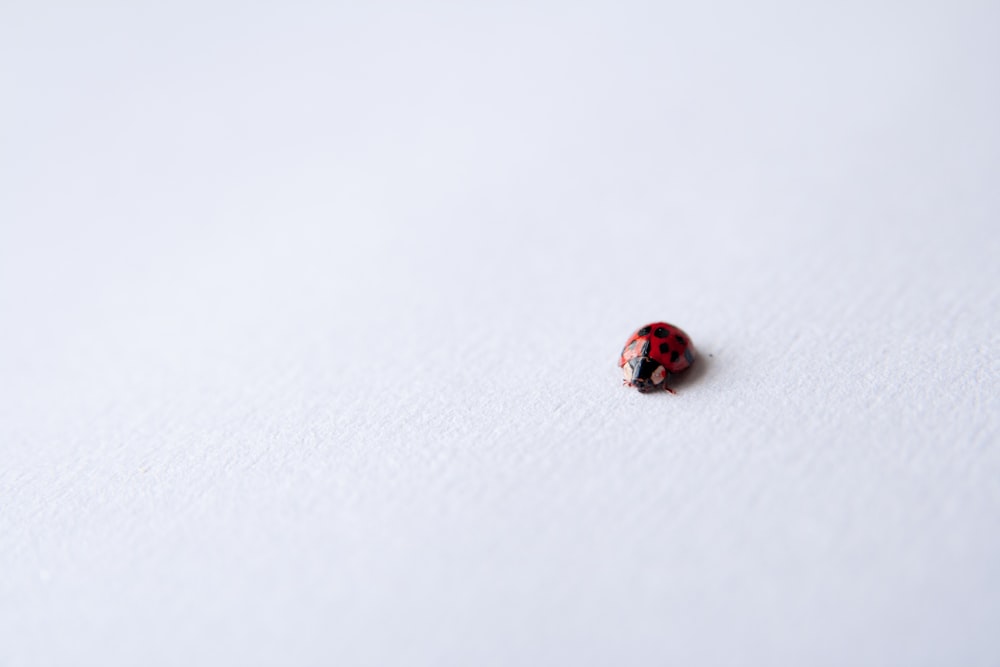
(691, 376)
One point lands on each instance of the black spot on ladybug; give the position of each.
(664, 348)
(661, 332)
(680, 338)
(689, 356)
(674, 355)
(642, 332)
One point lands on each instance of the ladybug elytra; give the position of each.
(652, 354)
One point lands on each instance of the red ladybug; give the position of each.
(652, 353)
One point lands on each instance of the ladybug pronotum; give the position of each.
(652, 354)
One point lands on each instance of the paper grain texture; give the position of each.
(309, 320)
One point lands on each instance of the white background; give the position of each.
(309, 320)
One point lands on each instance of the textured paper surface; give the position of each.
(310, 320)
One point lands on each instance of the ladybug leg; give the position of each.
(670, 390)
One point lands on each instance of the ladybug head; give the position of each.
(645, 374)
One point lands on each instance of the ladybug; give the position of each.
(652, 353)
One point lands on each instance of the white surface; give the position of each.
(310, 320)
